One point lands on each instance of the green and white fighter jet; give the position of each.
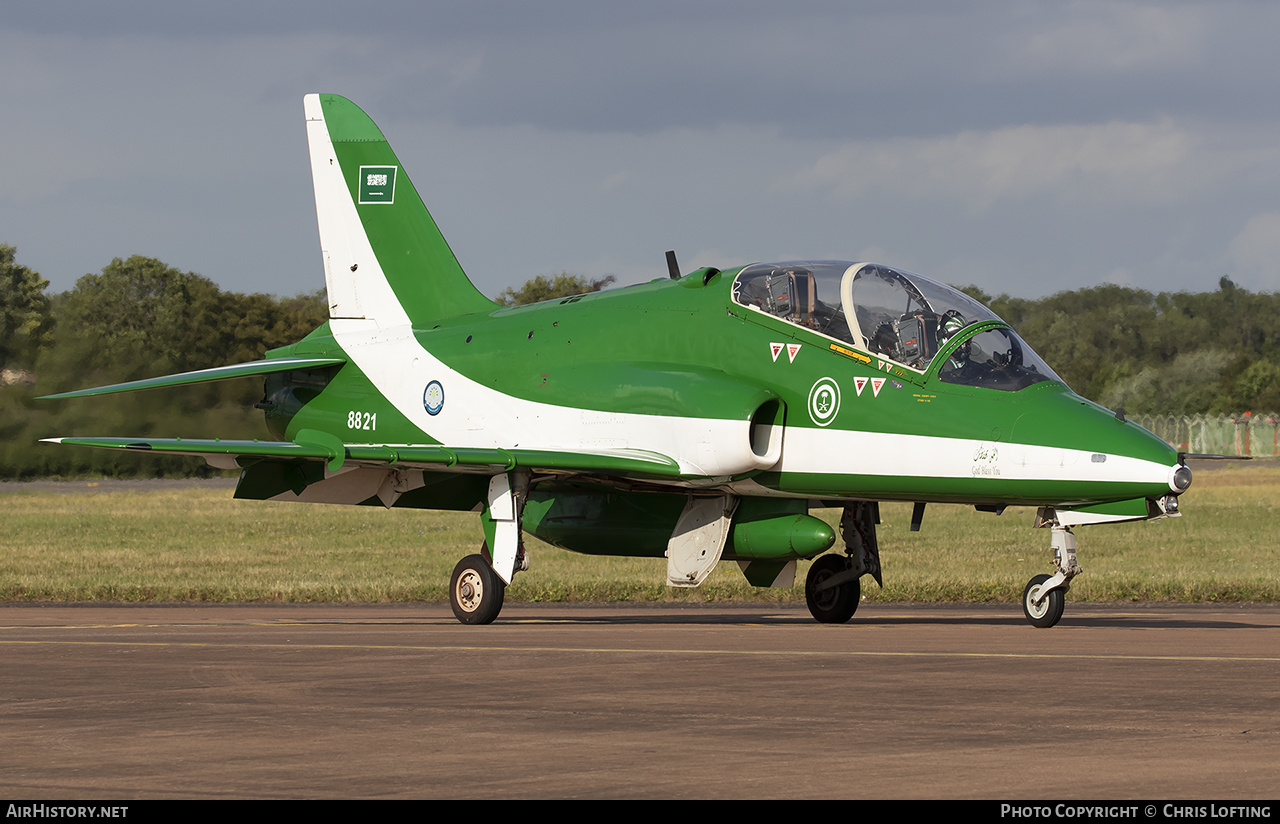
(698, 417)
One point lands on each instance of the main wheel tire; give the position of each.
(837, 604)
(475, 591)
(1049, 611)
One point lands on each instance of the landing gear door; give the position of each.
(699, 539)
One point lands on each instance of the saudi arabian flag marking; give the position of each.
(377, 184)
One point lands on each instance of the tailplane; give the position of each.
(384, 258)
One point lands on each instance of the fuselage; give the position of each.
(741, 399)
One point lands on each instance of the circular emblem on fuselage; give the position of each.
(824, 401)
(433, 398)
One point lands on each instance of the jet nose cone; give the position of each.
(1180, 479)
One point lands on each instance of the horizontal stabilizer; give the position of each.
(218, 373)
(229, 454)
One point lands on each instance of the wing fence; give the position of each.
(1252, 434)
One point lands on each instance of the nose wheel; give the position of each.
(1043, 608)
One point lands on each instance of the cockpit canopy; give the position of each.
(896, 316)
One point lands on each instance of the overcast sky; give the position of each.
(1025, 147)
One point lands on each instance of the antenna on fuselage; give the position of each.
(673, 269)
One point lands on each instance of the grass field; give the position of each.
(202, 545)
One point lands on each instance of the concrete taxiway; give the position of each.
(649, 701)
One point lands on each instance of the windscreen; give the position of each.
(995, 359)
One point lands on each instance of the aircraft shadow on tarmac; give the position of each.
(1116, 616)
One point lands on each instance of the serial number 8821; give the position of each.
(362, 420)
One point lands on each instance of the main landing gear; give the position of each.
(1045, 596)
(479, 582)
(475, 591)
(833, 587)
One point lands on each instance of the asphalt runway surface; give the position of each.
(638, 701)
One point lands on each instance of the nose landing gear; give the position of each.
(1045, 596)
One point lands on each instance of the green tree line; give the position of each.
(1175, 353)
(137, 318)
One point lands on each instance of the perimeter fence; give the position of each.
(1252, 434)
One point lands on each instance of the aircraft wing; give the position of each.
(218, 373)
(314, 445)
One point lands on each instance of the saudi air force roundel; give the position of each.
(824, 401)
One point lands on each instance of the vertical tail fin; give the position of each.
(384, 258)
